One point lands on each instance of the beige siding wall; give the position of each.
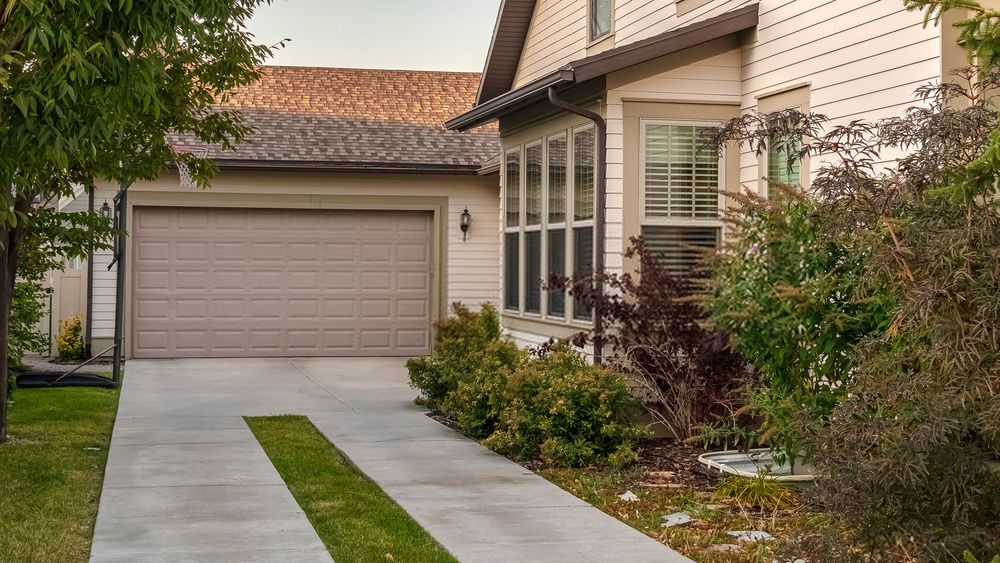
(861, 59)
(471, 266)
(104, 279)
(790, 32)
(558, 34)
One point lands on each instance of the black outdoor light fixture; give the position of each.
(464, 222)
(106, 210)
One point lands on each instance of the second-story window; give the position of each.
(601, 18)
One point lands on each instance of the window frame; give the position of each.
(715, 223)
(798, 96)
(573, 223)
(563, 225)
(567, 226)
(514, 229)
(526, 228)
(591, 38)
(678, 221)
(784, 165)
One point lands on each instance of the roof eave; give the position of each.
(333, 166)
(620, 58)
(515, 99)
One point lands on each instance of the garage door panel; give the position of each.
(225, 283)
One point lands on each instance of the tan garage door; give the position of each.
(252, 283)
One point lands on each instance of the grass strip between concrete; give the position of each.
(355, 519)
(51, 471)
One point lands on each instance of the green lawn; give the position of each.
(355, 519)
(51, 471)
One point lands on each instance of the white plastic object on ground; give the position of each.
(751, 463)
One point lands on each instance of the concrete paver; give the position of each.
(186, 480)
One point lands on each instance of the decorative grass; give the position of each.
(356, 520)
(51, 471)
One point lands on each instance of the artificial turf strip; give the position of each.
(51, 470)
(354, 518)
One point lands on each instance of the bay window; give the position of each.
(680, 199)
(549, 191)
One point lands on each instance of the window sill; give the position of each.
(538, 318)
(601, 44)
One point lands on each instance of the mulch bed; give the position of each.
(675, 465)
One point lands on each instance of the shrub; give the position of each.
(69, 341)
(566, 412)
(554, 407)
(479, 397)
(460, 346)
(656, 333)
(786, 292)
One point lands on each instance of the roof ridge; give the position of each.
(368, 69)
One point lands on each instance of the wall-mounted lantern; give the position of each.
(464, 222)
(106, 210)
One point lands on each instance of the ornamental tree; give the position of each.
(90, 90)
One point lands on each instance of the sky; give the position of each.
(390, 34)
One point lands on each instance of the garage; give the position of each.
(220, 282)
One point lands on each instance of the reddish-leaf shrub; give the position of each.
(656, 332)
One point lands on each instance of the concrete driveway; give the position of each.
(187, 481)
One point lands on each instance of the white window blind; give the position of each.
(681, 176)
(680, 249)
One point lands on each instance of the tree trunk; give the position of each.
(10, 240)
(6, 301)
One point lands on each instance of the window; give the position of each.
(601, 18)
(549, 226)
(533, 228)
(513, 202)
(556, 231)
(782, 161)
(512, 246)
(775, 163)
(681, 203)
(583, 210)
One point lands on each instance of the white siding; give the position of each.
(558, 34)
(473, 264)
(104, 280)
(104, 295)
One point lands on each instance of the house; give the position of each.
(655, 73)
(333, 231)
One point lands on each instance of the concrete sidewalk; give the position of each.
(186, 480)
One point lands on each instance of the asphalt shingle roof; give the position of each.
(358, 117)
